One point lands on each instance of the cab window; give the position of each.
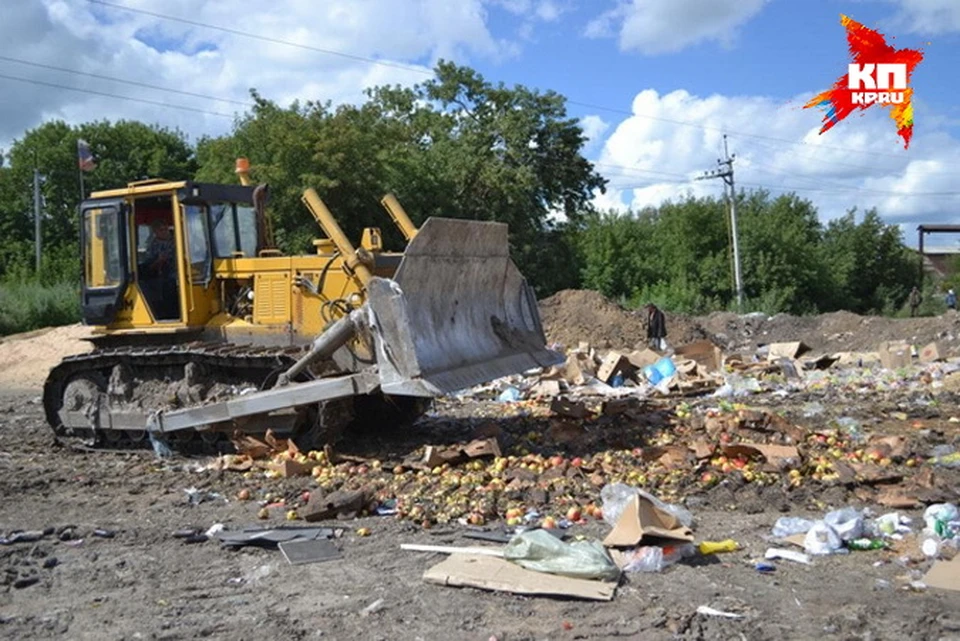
(198, 243)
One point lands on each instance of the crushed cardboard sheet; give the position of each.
(944, 575)
(500, 575)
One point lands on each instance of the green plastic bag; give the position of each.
(541, 551)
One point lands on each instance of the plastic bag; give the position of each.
(651, 558)
(509, 395)
(847, 522)
(790, 525)
(543, 552)
(615, 497)
(822, 539)
(738, 386)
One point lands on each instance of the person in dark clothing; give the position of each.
(915, 300)
(951, 300)
(656, 327)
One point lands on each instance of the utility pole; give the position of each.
(725, 171)
(36, 213)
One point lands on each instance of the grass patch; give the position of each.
(29, 305)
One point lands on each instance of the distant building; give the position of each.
(940, 261)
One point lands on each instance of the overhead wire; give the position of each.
(94, 92)
(123, 81)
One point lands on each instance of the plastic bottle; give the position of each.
(866, 544)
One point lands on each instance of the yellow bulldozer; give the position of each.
(202, 328)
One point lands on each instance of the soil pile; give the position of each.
(25, 359)
(571, 316)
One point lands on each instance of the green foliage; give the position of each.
(28, 305)
(455, 146)
(679, 256)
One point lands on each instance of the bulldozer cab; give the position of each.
(148, 250)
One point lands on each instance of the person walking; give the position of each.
(951, 300)
(656, 327)
(915, 300)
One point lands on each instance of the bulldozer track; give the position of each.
(221, 363)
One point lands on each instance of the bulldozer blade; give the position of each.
(457, 312)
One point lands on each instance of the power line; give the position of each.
(118, 97)
(124, 81)
(256, 36)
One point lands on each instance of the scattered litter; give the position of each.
(540, 551)
(104, 534)
(491, 573)
(373, 608)
(270, 537)
(790, 525)
(765, 568)
(822, 539)
(789, 555)
(301, 552)
(715, 547)
(711, 612)
(654, 558)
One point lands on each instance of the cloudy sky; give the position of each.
(657, 83)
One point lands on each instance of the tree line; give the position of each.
(460, 146)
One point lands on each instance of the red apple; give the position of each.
(574, 514)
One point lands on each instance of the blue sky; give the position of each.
(741, 67)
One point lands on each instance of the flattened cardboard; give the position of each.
(492, 573)
(895, 354)
(930, 353)
(704, 352)
(786, 350)
(641, 518)
(944, 575)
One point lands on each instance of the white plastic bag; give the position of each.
(790, 525)
(543, 552)
(847, 522)
(822, 539)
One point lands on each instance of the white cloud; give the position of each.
(667, 26)
(929, 16)
(593, 128)
(78, 35)
(650, 157)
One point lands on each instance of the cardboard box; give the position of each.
(641, 518)
(930, 353)
(786, 350)
(705, 353)
(895, 354)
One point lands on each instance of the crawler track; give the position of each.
(135, 378)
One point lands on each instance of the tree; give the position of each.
(124, 151)
(454, 146)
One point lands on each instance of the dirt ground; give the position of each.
(143, 583)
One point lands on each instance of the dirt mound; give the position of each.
(25, 359)
(574, 315)
(571, 316)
